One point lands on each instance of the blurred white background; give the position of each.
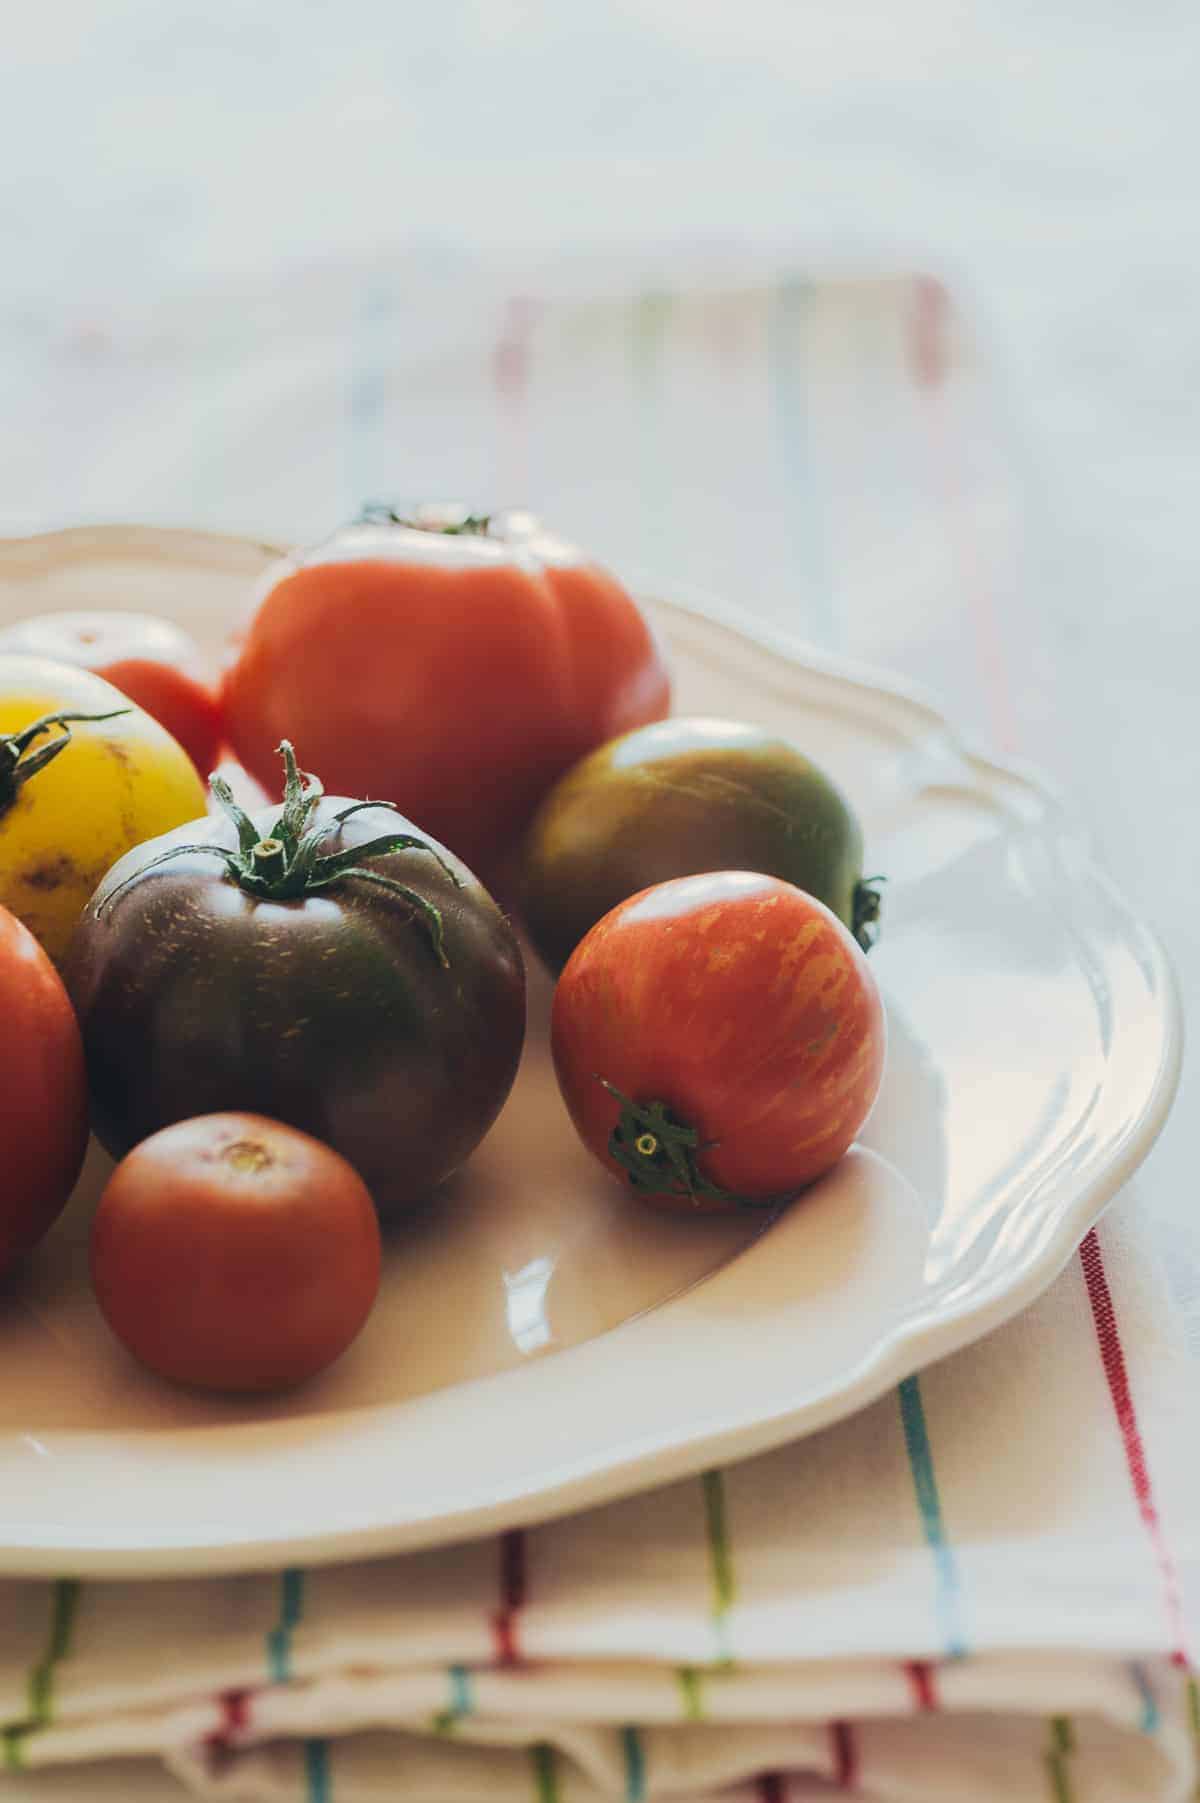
(1042, 161)
(1046, 159)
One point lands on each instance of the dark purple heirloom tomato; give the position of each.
(324, 964)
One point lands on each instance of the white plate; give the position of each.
(541, 1343)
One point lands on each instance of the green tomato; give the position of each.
(680, 798)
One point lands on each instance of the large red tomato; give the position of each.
(152, 661)
(452, 665)
(43, 1094)
(719, 1041)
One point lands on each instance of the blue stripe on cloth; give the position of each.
(920, 1459)
(367, 452)
(461, 1701)
(635, 1765)
(291, 1609)
(460, 1690)
(318, 1782)
(787, 374)
(1145, 1690)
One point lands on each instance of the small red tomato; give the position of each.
(43, 1093)
(234, 1253)
(453, 665)
(153, 662)
(719, 1040)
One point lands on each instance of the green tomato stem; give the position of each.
(19, 761)
(286, 864)
(451, 521)
(269, 859)
(657, 1153)
(866, 904)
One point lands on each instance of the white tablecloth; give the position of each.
(225, 235)
(163, 156)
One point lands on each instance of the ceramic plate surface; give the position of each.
(541, 1344)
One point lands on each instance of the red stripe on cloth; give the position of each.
(1112, 1357)
(511, 351)
(513, 1593)
(235, 1710)
(771, 1788)
(234, 1707)
(928, 343)
(512, 364)
(923, 1682)
(845, 1755)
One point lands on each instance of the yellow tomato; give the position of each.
(113, 784)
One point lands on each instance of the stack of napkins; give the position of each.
(982, 1587)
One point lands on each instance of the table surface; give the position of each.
(187, 175)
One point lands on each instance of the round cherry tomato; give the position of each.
(43, 1093)
(84, 774)
(679, 798)
(234, 1253)
(322, 963)
(455, 666)
(719, 1041)
(152, 661)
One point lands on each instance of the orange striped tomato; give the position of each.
(719, 1041)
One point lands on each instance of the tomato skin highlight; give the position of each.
(742, 1005)
(152, 661)
(455, 675)
(234, 1253)
(43, 1095)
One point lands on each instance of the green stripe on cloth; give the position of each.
(720, 1559)
(635, 1765)
(291, 1611)
(461, 1702)
(689, 1687)
(64, 1607)
(1058, 1754)
(1193, 1697)
(317, 1777)
(62, 1624)
(545, 1773)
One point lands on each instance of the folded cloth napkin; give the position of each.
(979, 1588)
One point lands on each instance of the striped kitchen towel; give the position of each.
(986, 1586)
(983, 1587)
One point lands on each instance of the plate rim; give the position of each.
(911, 1344)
